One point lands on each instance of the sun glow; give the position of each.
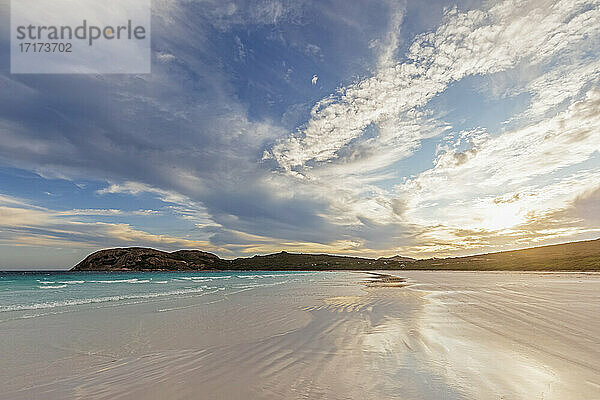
(503, 216)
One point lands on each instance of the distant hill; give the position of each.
(397, 258)
(298, 261)
(575, 256)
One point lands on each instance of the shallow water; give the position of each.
(28, 291)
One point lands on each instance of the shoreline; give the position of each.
(503, 271)
(422, 334)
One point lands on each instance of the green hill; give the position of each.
(574, 256)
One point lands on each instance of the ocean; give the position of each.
(35, 294)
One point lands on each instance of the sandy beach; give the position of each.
(439, 335)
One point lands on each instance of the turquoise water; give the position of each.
(31, 294)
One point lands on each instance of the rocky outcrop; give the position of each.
(139, 258)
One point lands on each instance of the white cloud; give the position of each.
(165, 57)
(23, 224)
(561, 84)
(517, 156)
(475, 42)
(389, 45)
(512, 179)
(179, 204)
(337, 157)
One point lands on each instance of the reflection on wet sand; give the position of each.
(416, 335)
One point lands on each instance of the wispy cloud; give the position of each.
(23, 224)
(476, 42)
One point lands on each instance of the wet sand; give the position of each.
(434, 335)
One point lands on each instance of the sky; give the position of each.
(368, 128)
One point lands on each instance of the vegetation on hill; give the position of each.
(575, 256)
(139, 259)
